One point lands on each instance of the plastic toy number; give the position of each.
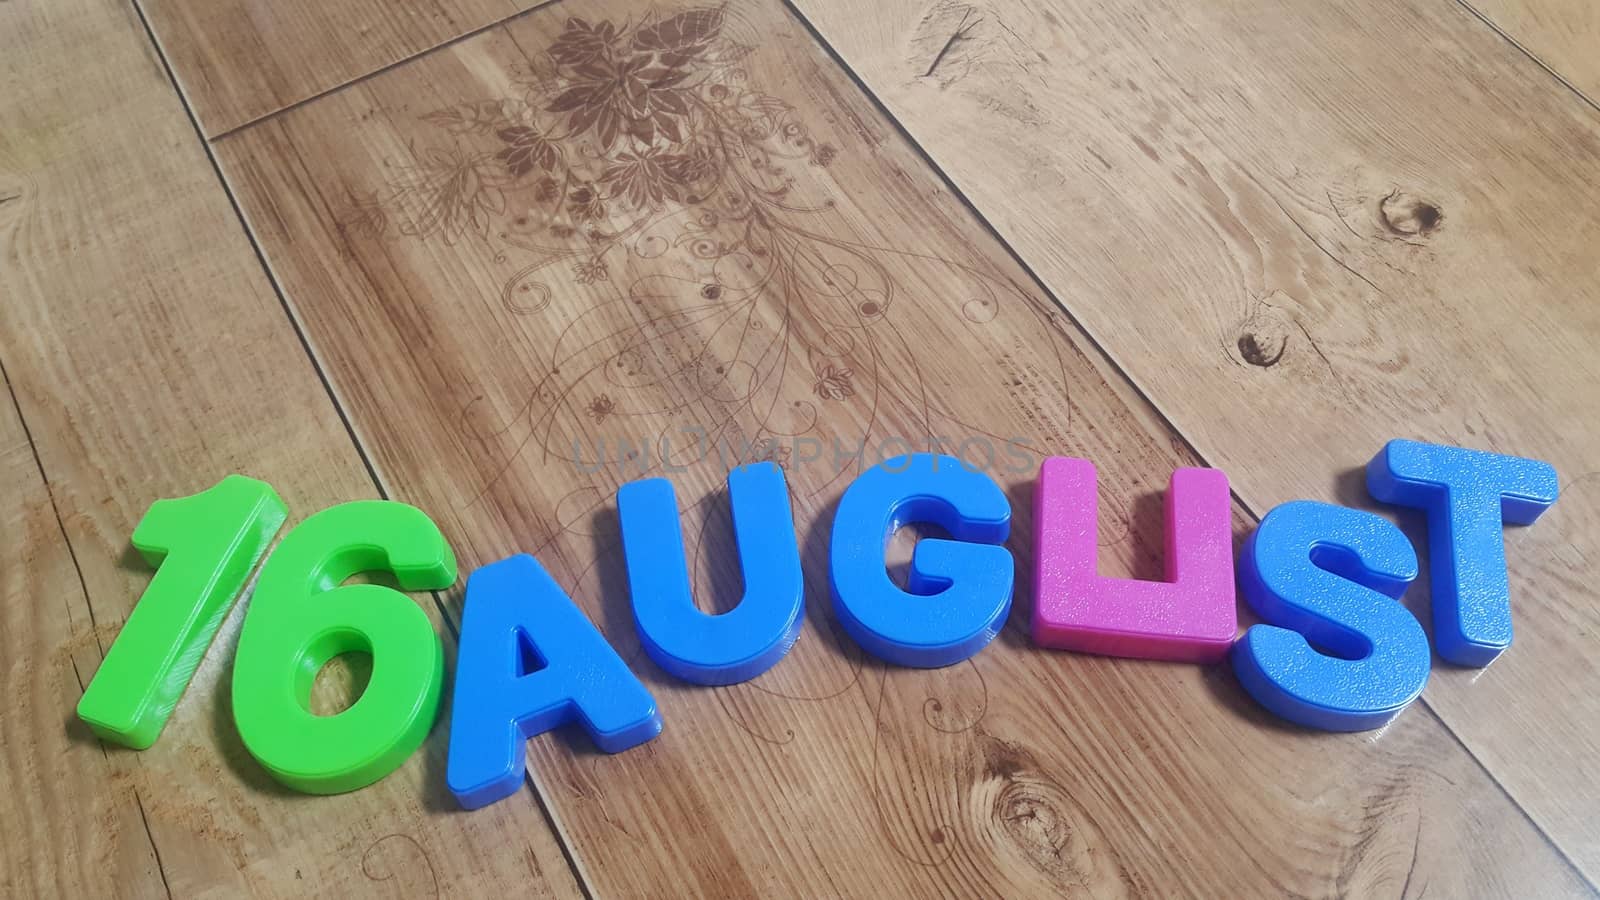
(1336, 650)
(204, 547)
(300, 618)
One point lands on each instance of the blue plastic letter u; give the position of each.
(750, 638)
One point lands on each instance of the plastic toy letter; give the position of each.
(1190, 617)
(203, 547)
(1330, 576)
(1467, 494)
(302, 616)
(960, 590)
(750, 638)
(530, 661)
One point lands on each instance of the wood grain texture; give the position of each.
(148, 357)
(1561, 34)
(59, 785)
(508, 256)
(238, 60)
(1304, 229)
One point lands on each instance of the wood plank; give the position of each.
(238, 60)
(775, 267)
(57, 781)
(1561, 34)
(149, 356)
(1304, 229)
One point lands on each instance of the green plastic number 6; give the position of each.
(301, 617)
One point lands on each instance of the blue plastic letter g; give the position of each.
(750, 638)
(960, 589)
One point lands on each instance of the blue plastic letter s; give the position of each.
(1467, 494)
(1331, 577)
(514, 607)
(739, 644)
(960, 589)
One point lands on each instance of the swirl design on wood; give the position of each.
(640, 158)
(377, 864)
(681, 249)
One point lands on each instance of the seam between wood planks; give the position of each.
(578, 874)
(343, 84)
(83, 588)
(949, 183)
(1128, 379)
(1590, 101)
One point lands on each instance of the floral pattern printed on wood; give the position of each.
(639, 161)
(689, 243)
(853, 298)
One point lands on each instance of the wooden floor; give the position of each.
(410, 249)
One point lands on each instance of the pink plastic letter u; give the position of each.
(1190, 617)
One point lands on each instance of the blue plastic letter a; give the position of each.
(530, 661)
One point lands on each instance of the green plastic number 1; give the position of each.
(203, 547)
(301, 617)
